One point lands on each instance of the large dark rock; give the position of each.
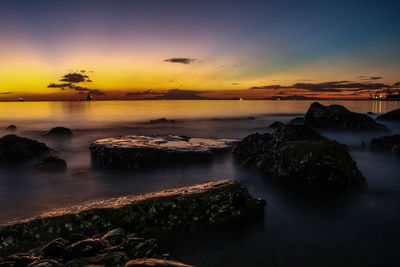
(132, 152)
(155, 262)
(59, 132)
(336, 117)
(180, 209)
(386, 142)
(85, 248)
(298, 155)
(51, 163)
(55, 248)
(114, 237)
(292, 132)
(106, 259)
(393, 115)
(16, 148)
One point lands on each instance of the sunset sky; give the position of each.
(197, 49)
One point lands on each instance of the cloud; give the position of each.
(75, 78)
(139, 93)
(181, 60)
(333, 86)
(235, 83)
(366, 78)
(60, 85)
(178, 94)
(96, 92)
(6, 93)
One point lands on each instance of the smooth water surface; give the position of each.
(298, 229)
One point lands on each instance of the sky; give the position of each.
(183, 49)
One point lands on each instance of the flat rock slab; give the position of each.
(185, 208)
(135, 151)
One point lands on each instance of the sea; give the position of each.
(297, 228)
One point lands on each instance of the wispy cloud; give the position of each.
(181, 60)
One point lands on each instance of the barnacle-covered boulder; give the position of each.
(132, 152)
(337, 117)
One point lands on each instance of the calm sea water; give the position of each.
(298, 229)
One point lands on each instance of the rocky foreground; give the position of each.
(132, 152)
(67, 230)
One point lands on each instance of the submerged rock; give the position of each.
(297, 121)
(298, 155)
(155, 262)
(51, 163)
(162, 120)
(132, 152)
(386, 143)
(276, 124)
(393, 115)
(180, 209)
(336, 117)
(11, 127)
(59, 132)
(16, 148)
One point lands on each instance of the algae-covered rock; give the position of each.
(45, 263)
(132, 152)
(337, 117)
(111, 259)
(155, 262)
(298, 155)
(16, 148)
(114, 237)
(318, 163)
(186, 208)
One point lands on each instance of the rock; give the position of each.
(139, 248)
(276, 124)
(155, 262)
(51, 163)
(114, 237)
(85, 248)
(393, 115)
(292, 132)
(54, 249)
(16, 148)
(370, 113)
(45, 263)
(297, 121)
(162, 120)
(107, 259)
(11, 127)
(386, 142)
(336, 117)
(186, 208)
(21, 259)
(298, 155)
(59, 132)
(252, 148)
(315, 163)
(132, 152)
(73, 238)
